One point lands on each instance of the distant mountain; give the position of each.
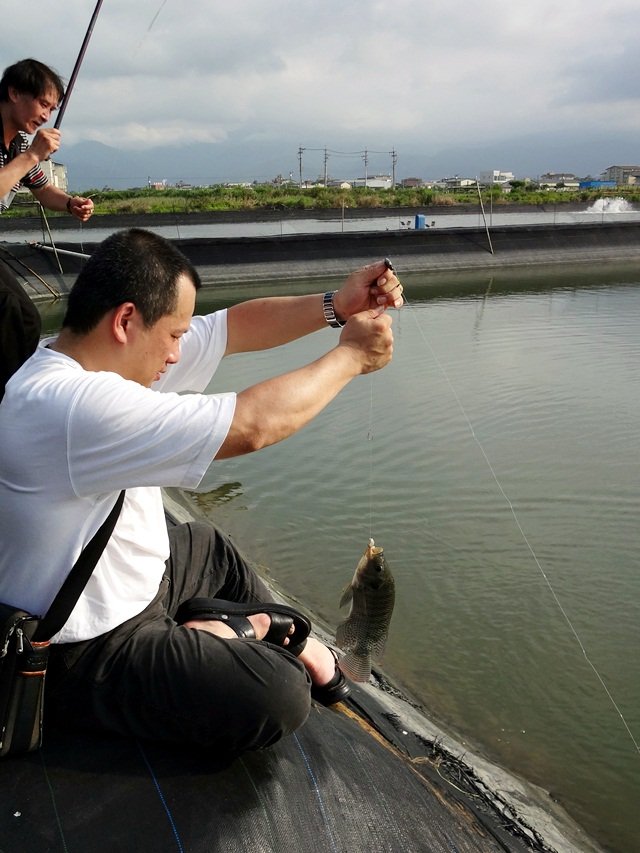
(94, 165)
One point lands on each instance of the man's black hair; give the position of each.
(30, 77)
(129, 266)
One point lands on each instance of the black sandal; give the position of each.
(335, 690)
(234, 614)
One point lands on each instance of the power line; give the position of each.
(362, 154)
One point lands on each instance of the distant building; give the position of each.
(412, 183)
(56, 173)
(559, 181)
(375, 182)
(557, 177)
(457, 183)
(622, 175)
(497, 178)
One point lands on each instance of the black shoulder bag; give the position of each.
(24, 649)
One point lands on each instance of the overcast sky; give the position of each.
(403, 75)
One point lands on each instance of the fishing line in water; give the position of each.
(520, 528)
(370, 440)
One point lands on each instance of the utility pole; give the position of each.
(300, 150)
(366, 165)
(326, 160)
(394, 160)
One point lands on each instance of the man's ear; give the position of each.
(121, 321)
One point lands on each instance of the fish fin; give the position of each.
(347, 595)
(356, 667)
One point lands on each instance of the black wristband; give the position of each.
(69, 204)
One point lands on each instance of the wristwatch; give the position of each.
(329, 311)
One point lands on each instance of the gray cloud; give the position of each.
(406, 74)
(610, 77)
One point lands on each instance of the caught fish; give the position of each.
(363, 634)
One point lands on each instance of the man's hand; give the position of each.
(81, 208)
(373, 286)
(369, 334)
(45, 143)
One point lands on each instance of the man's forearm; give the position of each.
(273, 410)
(265, 323)
(52, 197)
(277, 408)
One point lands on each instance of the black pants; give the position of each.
(151, 678)
(19, 325)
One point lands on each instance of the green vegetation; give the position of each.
(176, 200)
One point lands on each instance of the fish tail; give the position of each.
(357, 667)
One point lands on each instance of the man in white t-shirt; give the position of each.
(174, 637)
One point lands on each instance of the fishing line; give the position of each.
(389, 266)
(150, 27)
(370, 440)
(155, 17)
(520, 528)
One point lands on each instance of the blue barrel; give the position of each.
(421, 221)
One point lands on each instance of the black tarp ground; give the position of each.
(332, 786)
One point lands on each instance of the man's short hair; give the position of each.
(129, 266)
(30, 77)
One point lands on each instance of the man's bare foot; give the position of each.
(319, 662)
(261, 623)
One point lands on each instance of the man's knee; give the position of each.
(260, 711)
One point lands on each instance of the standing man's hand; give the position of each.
(45, 143)
(81, 208)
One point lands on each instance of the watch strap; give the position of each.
(329, 311)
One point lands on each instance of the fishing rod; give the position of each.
(76, 68)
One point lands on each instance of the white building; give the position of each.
(56, 173)
(497, 178)
(456, 183)
(375, 182)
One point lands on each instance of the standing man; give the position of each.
(29, 93)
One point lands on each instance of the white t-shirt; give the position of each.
(70, 441)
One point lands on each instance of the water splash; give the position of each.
(610, 205)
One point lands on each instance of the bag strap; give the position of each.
(78, 577)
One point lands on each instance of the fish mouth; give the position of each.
(373, 551)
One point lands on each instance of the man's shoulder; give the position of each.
(19, 144)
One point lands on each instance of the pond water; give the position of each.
(496, 461)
